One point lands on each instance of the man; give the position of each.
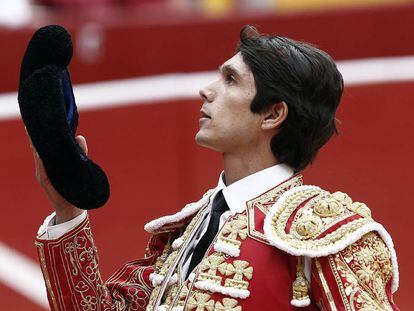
(260, 240)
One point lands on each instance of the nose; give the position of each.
(207, 94)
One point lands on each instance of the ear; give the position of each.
(274, 116)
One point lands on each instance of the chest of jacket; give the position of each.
(240, 271)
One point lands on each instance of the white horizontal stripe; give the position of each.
(161, 88)
(377, 70)
(138, 90)
(23, 275)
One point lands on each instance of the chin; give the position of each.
(204, 141)
(201, 139)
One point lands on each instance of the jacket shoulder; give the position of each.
(179, 219)
(310, 221)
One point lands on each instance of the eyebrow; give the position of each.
(231, 69)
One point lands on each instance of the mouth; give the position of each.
(203, 115)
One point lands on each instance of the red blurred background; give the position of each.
(148, 149)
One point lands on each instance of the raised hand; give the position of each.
(64, 210)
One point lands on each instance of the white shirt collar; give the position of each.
(249, 187)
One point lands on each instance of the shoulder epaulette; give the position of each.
(309, 221)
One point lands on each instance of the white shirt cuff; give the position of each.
(49, 231)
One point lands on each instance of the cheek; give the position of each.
(237, 123)
(233, 114)
(228, 120)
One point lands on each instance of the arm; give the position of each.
(360, 277)
(70, 267)
(70, 263)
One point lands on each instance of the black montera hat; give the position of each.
(49, 112)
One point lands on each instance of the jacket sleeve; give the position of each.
(70, 267)
(360, 277)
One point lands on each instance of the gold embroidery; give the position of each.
(307, 224)
(307, 227)
(163, 257)
(171, 293)
(228, 304)
(240, 270)
(168, 258)
(46, 273)
(88, 302)
(360, 209)
(333, 205)
(339, 283)
(342, 198)
(234, 229)
(263, 204)
(200, 302)
(182, 294)
(211, 264)
(83, 257)
(69, 249)
(325, 285)
(364, 268)
(138, 291)
(154, 294)
(214, 269)
(172, 260)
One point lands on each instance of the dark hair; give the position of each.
(306, 79)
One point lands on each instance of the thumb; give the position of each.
(82, 143)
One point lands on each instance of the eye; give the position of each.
(230, 79)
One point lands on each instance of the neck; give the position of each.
(240, 165)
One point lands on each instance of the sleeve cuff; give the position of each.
(49, 231)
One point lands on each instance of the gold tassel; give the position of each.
(300, 287)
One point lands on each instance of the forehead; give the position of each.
(237, 63)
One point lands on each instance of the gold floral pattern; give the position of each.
(200, 301)
(208, 268)
(236, 228)
(362, 272)
(71, 262)
(83, 255)
(234, 231)
(227, 304)
(240, 270)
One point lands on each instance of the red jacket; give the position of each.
(294, 247)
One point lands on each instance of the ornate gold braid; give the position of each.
(282, 215)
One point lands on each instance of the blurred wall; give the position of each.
(148, 150)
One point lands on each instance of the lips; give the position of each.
(203, 114)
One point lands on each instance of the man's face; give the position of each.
(226, 122)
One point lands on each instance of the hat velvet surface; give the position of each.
(48, 109)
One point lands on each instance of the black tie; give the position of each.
(218, 208)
